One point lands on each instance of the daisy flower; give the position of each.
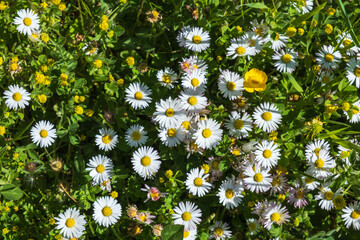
(138, 95)
(230, 193)
(101, 168)
(197, 39)
(208, 134)
(105, 185)
(70, 223)
(344, 154)
(285, 60)
(344, 40)
(169, 113)
(187, 214)
(196, 182)
(297, 196)
(171, 137)
(254, 226)
(153, 193)
(267, 116)
(239, 125)
(278, 42)
(146, 162)
(107, 211)
(214, 170)
(356, 113)
(257, 179)
(16, 97)
(181, 37)
(326, 196)
(195, 81)
(136, 136)
(220, 231)
(267, 154)
(167, 77)
(192, 101)
(27, 21)
(278, 184)
(310, 183)
(89, 50)
(106, 139)
(145, 217)
(190, 235)
(353, 72)
(274, 213)
(315, 146)
(43, 133)
(325, 77)
(351, 215)
(193, 63)
(240, 48)
(35, 36)
(328, 58)
(253, 40)
(231, 85)
(321, 164)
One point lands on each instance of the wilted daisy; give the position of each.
(326, 196)
(138, 95)
(43, 133)
(297, 196)
(136, 136)
(171, 137)
(107, 211)
(279, 41)
(267, 116)
(196, 182)
(356, 113)
(89, 49)
(192, 101)
(187, 214)
(254, 226)
(230, 193)
(101, 169)
(145, 217)
(325, 77)
(231, 85)
(315, 146)
(35, 36)
(303, 6)
(190, 234)
(146, 162)
(328, 58)
(194, 81)
(351, 215)
(167, 77)
(169, 113)
(253, 40)
(344, 154)
(274, 213)
(239, 48)
(16, 97)
(106, 139)
(27, 21)
(197, 39)
(321, 164)
(153, 193)
(279, 184)
(71, 223)
(239, 125)
(285, 60)
(208, 134)
(257, 179)
(353, 72)
(193, 63)
(267, 154)
(220, 231)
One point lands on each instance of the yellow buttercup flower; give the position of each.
(3, 5)
(169, 173)
(114, 194)
(42, 98)
(44, 37)
(291, 31)
(301, 31)
(89, 112)
(130, 61)
(328, 28)
(120, 82)
(56, 2)
(331, 11)
(2, 130)
(79, 110)
(104, 25)
(39, 78)
(1, 60)
(44, 5)
(62, 7)
(98, 63)
(110, 34)
(255, 80)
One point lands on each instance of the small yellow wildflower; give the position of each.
(44, 37)
(111, 78)
(44, 68)
(169, 173)
(330, 109)
(15, 228)
(56, 2)
(206, 168)
(331, 11)
(114, 194)
(82, 98)
(42, 98)
(5, 231)
(44, 5)
(161, 180)
(98, 63)
(79, 110)
(281, 197)
(130, 61)
(314, 23)
(296, 222)
(120, 82)
(62, 7)
(251, 204)
(7, 209)
(300, 31)
(16, 208)
(291, 31)
(328, 29)
(219, 58)
(110, 34)
(64, 77)
(3, 5)
(239, 29)
(2, 130)
(58, 237)
(51, 61)
(346, 106)
(273, 136)
(104, 25)
(15, 155)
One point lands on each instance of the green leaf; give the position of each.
(289, 77)
(119, 30)
(348, 22)
(11, 192)
(172, 232)
(255, 5)
(308, 15)
(343, 84)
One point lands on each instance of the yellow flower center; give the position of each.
(309, 180)
(206, 133)
(186, 216)
(106, 139)
(252, 42)
(194, 82)
(100, 168)
(215, 165)
(106, 211)
(275, 182)
(196, 39)
(171, 132)
(186, 234)
(275, 217)
(145, 161)
(231, 86)
(344, 154)
(267, 153)
(43, 133)
(357, 72)
(70, 223)
(347, 42)
(13, 67)
(319, 163)
(17, 96)
(239, 124)
(27, 21)
(266, 116)
(198, 182)
(138, 96)
(229, 193)
(302, 3)
(329, 195)
(277, 37)
(219, 231)
(329, 57)
(326, 79)
(240, 51)
(192, 100)
(169, 112)
(136, 136)
(166, 78)
(258, 177)
(299, 194)
(286, 58)
(185, 125)
(356, 110)
(355, 214)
